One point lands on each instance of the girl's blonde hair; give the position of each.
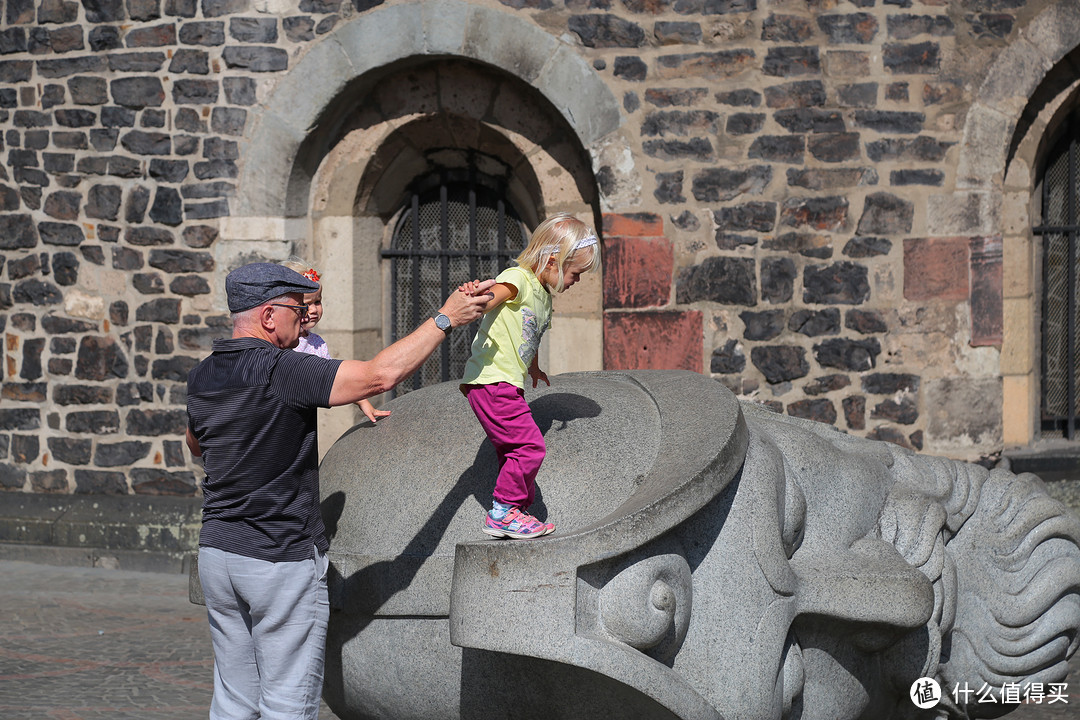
(562, 237)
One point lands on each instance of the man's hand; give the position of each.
(462, 307)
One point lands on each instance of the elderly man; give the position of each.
(262, 549)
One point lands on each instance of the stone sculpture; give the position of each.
(712, 560)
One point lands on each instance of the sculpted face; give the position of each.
(795, 599)
(713, 560)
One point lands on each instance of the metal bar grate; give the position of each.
(454, 231)
(1060, 228)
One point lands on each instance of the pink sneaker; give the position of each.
(517, 525)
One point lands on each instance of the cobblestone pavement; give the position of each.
(81, 643)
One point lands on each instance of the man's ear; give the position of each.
(266, 317)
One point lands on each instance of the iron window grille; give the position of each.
(455, 231)
(1059, 230)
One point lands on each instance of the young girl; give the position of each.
(561, 249)
(311, 343)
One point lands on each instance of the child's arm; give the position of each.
(369, 410)
(499, 293)
(537, 374)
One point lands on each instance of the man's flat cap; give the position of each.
(251, 285)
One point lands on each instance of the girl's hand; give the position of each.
(472, 289)
(369, 410)
(537, 375)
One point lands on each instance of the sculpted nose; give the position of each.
(869, 583)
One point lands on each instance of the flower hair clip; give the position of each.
(312, 275)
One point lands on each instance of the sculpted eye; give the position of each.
(794, 518)
(647, 605)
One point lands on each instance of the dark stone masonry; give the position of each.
(807, 201)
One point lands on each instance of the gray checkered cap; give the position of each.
(251, 285)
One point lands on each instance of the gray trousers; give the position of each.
(268, 628)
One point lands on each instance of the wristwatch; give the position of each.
(443, 323)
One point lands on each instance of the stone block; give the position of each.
(777, 279)
(936, 268)
(982, 158)
(705, 65)
(886, 214)
(606, 31)
(846, 354)
(120, 453)
(640, 225)
(723, 184)
(253, 29)
(792, 61)
(786, 28)
(854, 412)
(973, 213)
(630, 67)
(912, 58)
(860, 95)
(849, 28)
(1018, 335)
(163, 35)
(986, 291)
(778, 148)
(744, 123)
(728, 358)
(780, 363)
(817, 213)
(1018, 423)
(963, 412)
(1015, 76)
(255, 59)
(818, 409)
(764, 325)
(814, 323)
(209, 34)
(726, 280)
(637, 271)
(653, 340)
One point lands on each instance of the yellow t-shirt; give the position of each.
(509, 336)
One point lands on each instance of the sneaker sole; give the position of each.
(493, 532)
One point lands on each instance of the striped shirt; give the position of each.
(252, 407)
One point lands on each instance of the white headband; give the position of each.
(587, 241)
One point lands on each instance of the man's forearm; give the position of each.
(357, 380)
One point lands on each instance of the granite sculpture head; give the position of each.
(713, 560)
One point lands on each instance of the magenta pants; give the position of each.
(508, 422)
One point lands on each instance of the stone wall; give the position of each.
(784, 210)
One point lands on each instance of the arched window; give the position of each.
(454, 227)
(1060, 229)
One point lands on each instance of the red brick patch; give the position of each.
(633, 224)
(936, 268)
(653, 341)
(637, 272)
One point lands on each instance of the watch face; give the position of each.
(442, 322)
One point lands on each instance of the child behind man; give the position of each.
(311, 343)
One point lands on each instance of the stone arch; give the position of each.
(996, 176)
(274, 184)
(391, 95)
